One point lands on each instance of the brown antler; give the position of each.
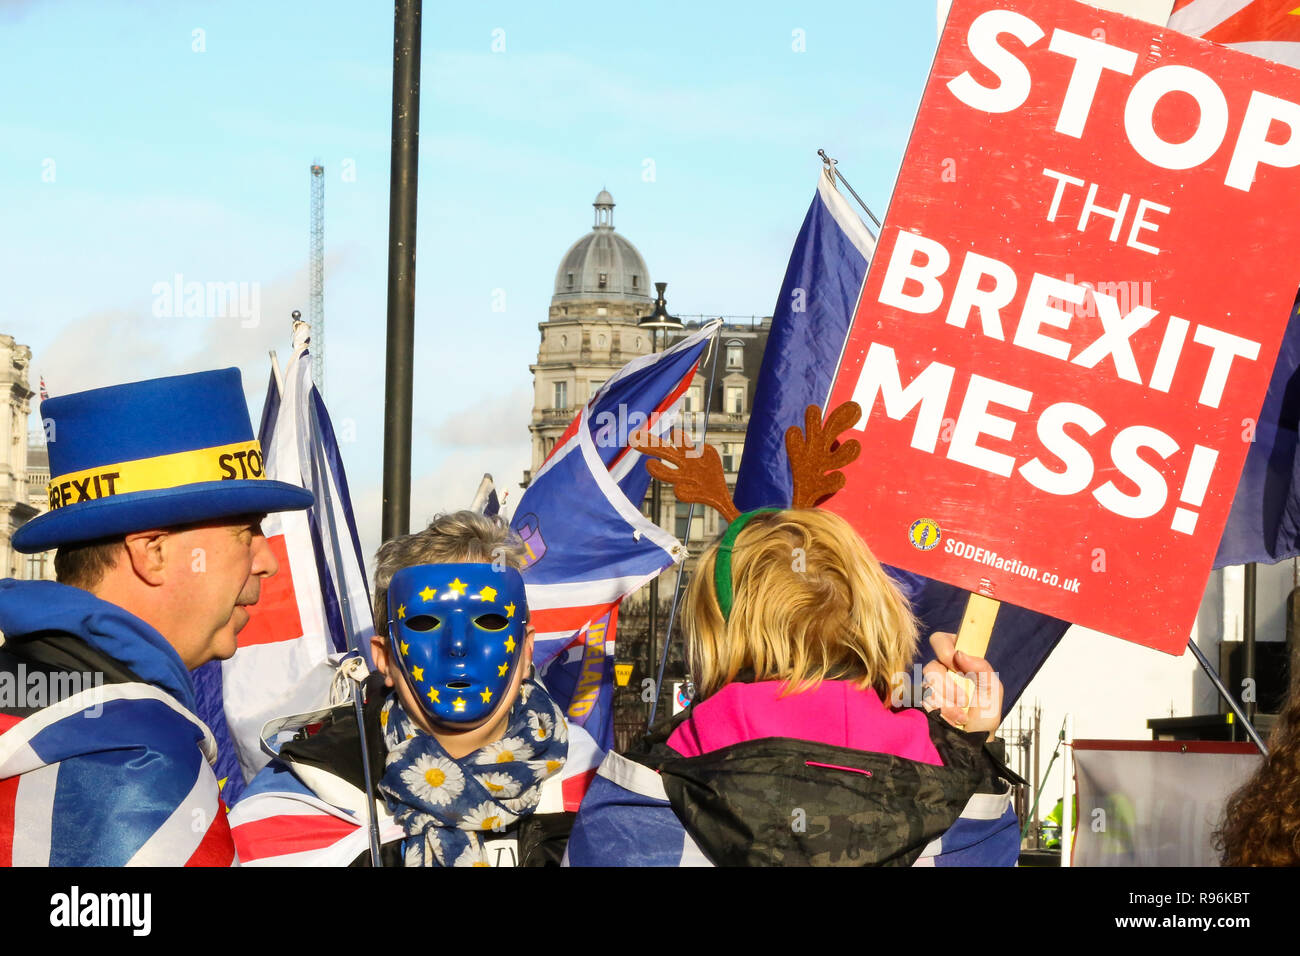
(815, 454)
(697, 475)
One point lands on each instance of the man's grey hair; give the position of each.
(457, 537)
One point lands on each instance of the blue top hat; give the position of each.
(155, 454)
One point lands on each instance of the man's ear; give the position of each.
(379, 651)
(147, 553)
(529, 631)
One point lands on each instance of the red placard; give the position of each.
(1073, 312)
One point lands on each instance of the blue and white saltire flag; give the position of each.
(627, 820)
(315, 608)
(589, 545)
(810, 325)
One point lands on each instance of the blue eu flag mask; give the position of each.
(457, 633)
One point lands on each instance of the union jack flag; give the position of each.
(121, 773)
(316, 604)
(1267, 28)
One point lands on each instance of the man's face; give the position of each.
(226, 564)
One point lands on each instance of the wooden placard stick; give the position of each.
(976, 629)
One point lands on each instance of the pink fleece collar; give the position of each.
(835, 713)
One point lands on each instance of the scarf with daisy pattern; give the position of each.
(449, 806)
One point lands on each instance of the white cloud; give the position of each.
(494, 422)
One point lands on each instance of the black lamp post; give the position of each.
(655, 321)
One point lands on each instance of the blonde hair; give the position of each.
(811, 603)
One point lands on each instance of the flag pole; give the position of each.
(1226, 695)
(833, 166)
(399, 367)
(690, 522)
(345, 614)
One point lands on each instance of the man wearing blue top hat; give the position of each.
(156, 496)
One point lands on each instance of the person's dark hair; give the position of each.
(1261, 820)
(84, 565)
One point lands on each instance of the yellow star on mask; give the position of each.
(458, 586)
(428, 594)
(486, 695)
(405, 647)
(417, 674)
(510, 645)
(433, 695)
(501, 671)
(510, 609)
(487, 594)
(459, 704)
(401, 611)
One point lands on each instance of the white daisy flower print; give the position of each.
(432, 848)
(543, 769)
(525, 803)
(487, 816)
(500, 785)
(435, 780)
(472, 855)
(541, 726)
(505, 750)
(561, 731)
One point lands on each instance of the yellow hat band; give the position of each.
(240, 461)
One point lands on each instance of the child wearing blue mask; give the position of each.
(465, 747)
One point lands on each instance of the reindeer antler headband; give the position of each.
(815, 454)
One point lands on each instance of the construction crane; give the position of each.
(317, 307)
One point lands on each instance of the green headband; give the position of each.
(722, 564)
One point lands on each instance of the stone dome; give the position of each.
(602, 264)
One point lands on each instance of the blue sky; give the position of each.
(152, 139)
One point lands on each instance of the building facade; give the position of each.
(16, 507)
(602, 287)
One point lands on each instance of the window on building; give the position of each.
(604, 279)
(36, 567)
(636, 282)
(693, 400)
(735, 355)
(736, 399)
(570, 280)
(695, 532)
(731, 456)
(561, 395)
(595, 385)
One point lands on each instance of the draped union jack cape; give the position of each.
(117, 772)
